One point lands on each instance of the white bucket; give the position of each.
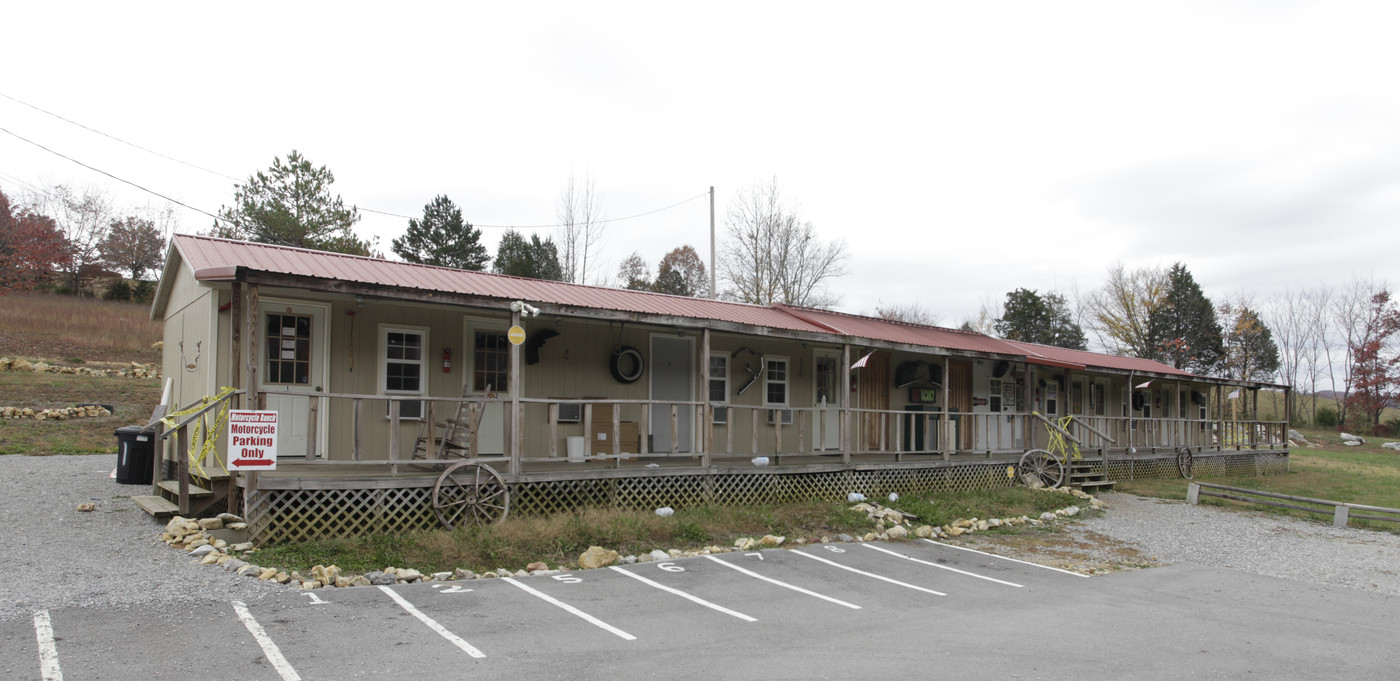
(574, 446)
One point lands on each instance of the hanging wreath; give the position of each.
(626, 364)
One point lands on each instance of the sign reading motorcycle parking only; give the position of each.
(252, 440)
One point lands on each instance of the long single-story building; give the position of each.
(410, 395)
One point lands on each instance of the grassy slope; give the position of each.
(60, 329)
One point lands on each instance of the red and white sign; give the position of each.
(252, 440)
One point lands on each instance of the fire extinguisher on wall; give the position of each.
(447, 360)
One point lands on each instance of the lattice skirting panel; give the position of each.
(292, 515)
(1206, 464)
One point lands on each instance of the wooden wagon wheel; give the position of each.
(1038, 464)
(470, 492)
(1186, 463)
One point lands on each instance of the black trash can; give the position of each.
(136, 451)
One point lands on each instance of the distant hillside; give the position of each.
(63, 328)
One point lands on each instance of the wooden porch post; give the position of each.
(706, 410)
(235, 370)
(513, 427)
(254, 398)
(845, 425)
(946, 421)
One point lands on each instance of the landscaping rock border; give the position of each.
(132, 370)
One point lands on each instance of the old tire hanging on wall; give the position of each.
(626, 364)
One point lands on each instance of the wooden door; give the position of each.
(960, 399)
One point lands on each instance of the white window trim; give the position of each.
(725, 378)
(787, 384)
(383, 347)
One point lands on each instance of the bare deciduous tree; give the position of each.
(914, 313)
(1286, 315)
(1349, 312)
(1120, 310)
(581, 232)
(84, 219)
(772, 256)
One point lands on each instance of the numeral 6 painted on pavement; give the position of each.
(568, 579)
(670, 567)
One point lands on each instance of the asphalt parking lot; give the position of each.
(820, 611)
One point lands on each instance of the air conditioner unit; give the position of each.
(570, 412)
(721, 414)
(786, 416)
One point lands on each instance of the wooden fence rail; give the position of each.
(1341, 511)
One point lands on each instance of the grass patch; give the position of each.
(1360, 475)
(44, 326)
(133, 399)
(558, 540)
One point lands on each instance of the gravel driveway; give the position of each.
(56, 556)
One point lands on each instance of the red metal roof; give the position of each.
(214, 259)
(1036, 353)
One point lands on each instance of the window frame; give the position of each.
(384, 361)
(717, 407)
(768, 381)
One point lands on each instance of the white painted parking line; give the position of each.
(870, 574)
(941, 567)
(785, 585)
(993, 555)
(48, 652)
(682, 594)
(433, 624)
(571, 609)
(274, 656)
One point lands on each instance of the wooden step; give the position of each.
(1101, 485)
(159, 507)
(173, 487)
(211, 475)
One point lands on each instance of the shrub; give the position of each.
(1326, 417)
(120, 290)
(143, 292)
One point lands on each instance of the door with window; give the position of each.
(292, 370)
(827, 393)
(488, 374)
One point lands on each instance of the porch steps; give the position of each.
(1082, 476)
(159, 507)
(173, 487)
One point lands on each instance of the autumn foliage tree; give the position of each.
(682, 273)
(1375, 370)
(132, 244)
(31, 246)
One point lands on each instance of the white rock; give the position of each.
(1047, 516)
(1392, 445)
(628, 560)
(202, 550)
(897, 532)
(658, 554)
(894, 497)
(1352, 443)
(1348, 437)
(665, 511)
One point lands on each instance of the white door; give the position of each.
(672, 378)
(488, 373)
(827, 392)
(292, 369)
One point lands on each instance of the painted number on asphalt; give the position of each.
(756, 555)
(670, 567)
(568, 579)
(835, 549)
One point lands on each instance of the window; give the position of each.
(402, 353)
(490, 362)
(1076, 397)
(719, 386)
(994, 396)
(288, 349)
(775, 385)
(1052, 398)
(1008, 395)
(1096, 398)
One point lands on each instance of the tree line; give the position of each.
(1340, 340)
(65, 239)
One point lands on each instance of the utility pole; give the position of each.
(713, 293)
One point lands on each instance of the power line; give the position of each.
(99, 170)
(118, 139)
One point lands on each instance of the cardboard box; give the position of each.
(600, 438)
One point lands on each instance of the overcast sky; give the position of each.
(961, 149)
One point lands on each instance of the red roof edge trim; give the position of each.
(216, 273)
(1055, 363)
(806, 318)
